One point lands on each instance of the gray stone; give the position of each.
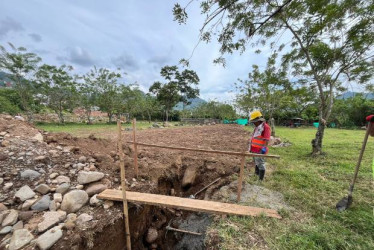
(49, 238)
(82, 159)
(25, 215)
(38, 137)
(95, 201)
(42, 204)
(1, 181)
(20, 238)
(27, 204)
(18, 225)
(83, 218)
(8, 186)
(42, 188)
(10, 219)
(53, 175)
(57, 197)
(3, 207)
(189, 176)
(49, 220)
(63, 188)
(152, 235)
(53, 206)
(74, 200)
(6, 230)
(25, 193)
(62, 179)
(85, 177)
(29, 174)
(95, 188)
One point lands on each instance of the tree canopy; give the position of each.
(322, 42)
(178, 88)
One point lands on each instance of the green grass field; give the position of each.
(312, 186)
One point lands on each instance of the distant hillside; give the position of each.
(194, 103)
(350, 94)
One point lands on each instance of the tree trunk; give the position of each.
(110, 117)
(149, 116)
(167, 115)
(317, 141)
(60, 116)
(88, 115)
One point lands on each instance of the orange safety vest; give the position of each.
(258, 142)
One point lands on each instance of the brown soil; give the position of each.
(160, 171)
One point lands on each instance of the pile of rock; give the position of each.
(44, 190)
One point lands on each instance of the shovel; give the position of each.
(193, 196)
(346, 202)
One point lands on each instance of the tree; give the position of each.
(127, 99)
(149, 105)
(297, 100)
(263, 90)
(88, 93)
(214, 109)
(106, 83)
(178, 88)
(21, 66)
(59, 88)
(351, 112)
(324, 42)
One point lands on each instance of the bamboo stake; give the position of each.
(182, 231)
(135, 148)
(123, 184)
(240, 181)
(206, 150)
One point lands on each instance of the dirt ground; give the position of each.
(161, 171)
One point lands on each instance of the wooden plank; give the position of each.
(206, 150)
(188, 204)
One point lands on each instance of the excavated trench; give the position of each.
(148, 224)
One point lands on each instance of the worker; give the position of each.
(259, 141)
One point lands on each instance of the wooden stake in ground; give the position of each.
(135, 147)
(240, 181)
(123, 184)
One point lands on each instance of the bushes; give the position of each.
(9, 101)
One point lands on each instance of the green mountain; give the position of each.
(194, 102)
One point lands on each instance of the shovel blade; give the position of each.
(344, 203)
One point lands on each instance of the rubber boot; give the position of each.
(257, 170)
(261, 174)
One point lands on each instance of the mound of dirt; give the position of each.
(49, 182)
(252, 195)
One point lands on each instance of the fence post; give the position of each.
(135, 148)
(123, 185)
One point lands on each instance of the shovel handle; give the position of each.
(360, 159)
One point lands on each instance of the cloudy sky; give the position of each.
(140, 37)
